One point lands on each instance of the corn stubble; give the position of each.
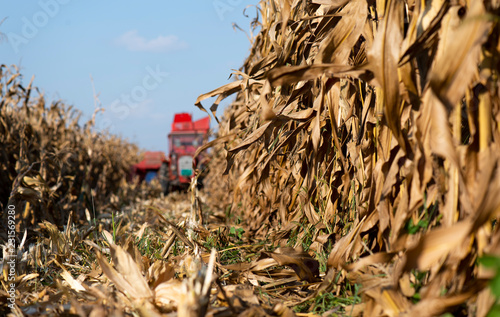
(376, 122)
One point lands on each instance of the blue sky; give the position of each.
(148, 59)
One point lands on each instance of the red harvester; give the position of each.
(176, 170)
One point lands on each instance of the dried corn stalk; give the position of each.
(377, 121)
(50, 164)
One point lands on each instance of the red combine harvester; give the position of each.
(176, 170)
(184, 139)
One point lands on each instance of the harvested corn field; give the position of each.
(356, 173)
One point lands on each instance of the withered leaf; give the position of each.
(304, 265)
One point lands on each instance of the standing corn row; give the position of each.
(376, 121)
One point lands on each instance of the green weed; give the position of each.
(493, 262)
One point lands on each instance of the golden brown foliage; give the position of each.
(362, 148)
(51, 165)
(377, 121)
(98, 246)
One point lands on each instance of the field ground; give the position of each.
(151, 259)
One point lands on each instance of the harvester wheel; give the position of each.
(164, 182)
